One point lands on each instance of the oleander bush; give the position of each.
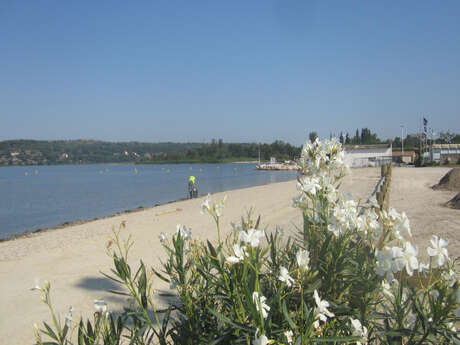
(350, 275)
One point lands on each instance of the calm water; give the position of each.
(45, 196)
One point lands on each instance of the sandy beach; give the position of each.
(72, 258)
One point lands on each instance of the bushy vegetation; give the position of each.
(34, 152)
(350, 275)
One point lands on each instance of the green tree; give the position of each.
(312, 136)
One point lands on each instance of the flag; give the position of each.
(425, 122)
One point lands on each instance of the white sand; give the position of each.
(71, 258)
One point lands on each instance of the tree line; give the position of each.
(41, 152)
(44, 152)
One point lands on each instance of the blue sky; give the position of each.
(237, 70)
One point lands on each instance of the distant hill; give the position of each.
(44, 152)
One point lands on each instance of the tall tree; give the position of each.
(312, 136)
(356, 138)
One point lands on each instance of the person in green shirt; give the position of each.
(192, 190)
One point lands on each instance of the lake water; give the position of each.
(46, 196)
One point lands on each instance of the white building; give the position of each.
(442, 152)
(368, 155)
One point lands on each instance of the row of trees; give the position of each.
(412, 141)
(218, 151)
(36, 152)
(365, 137)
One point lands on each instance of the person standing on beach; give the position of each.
(192, 190)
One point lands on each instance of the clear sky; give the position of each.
(237, 70)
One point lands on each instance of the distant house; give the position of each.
(407, 157)
(443, 152)
(368, 155)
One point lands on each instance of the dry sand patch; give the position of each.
(411, 191)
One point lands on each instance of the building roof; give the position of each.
(366, 147)
(405, 153)
(446, 146)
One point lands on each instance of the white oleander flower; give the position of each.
(262, 340)
(285, 277)
(219, 209)
(289, 336)
(162, 236)
(239, 254)
(386, 266)
(321, 311)
(386, 289)
(303, 259)
(402, 225)
(206, 204)
(451, 277)
(185, 233)
(100, 306)
(68, 317)
(408, 258)
(310, 185)
(37, 285)
(439, 250)
(423, 267)
(260, 300)
(251, 236)
(358, 330)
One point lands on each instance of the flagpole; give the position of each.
(420, 142)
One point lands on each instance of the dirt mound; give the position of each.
(454, 202)
(450, 181)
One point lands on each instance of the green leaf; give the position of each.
(212, 250)
(159, 275)
(117, 292)
(50, 332)
(231, 322)
(334, 339)
(286, 315)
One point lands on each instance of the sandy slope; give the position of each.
(71, 258)
(411, 192)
